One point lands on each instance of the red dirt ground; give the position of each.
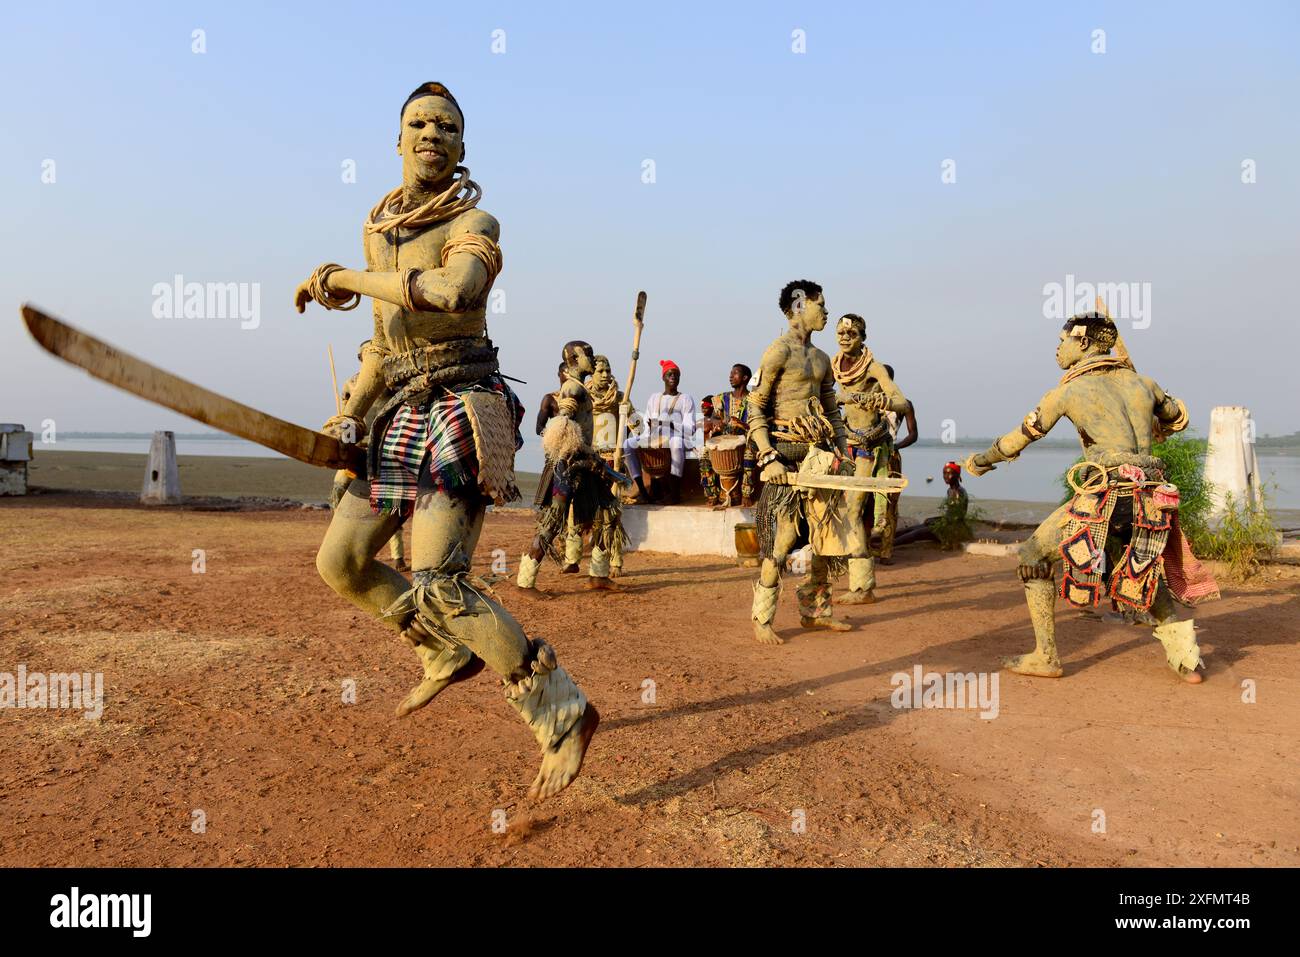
(223, 695)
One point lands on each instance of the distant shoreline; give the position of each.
(1276, 444)
(266, 478)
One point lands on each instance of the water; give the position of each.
(1034, 477)
(139, 445)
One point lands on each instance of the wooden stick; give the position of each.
(338, 399)
(638, 323)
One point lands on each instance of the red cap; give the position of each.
(666, 364)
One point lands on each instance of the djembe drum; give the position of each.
(727, 456)
(747, 551)
(655, 462)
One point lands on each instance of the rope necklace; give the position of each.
(1096, 364)
(387, 215)
(845, 375)
(606, 400)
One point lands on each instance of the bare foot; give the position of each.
(1192, 677)
(571, 569)
(856, 597)
(1034, 665)
(429, 688)
(828, 624)
(615, 571)
(534, 593)
(766, 635)
(602, 584)
(561, 764)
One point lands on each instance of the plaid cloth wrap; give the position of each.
(434, 433)
(1138, 519)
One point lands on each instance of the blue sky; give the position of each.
(770, 165)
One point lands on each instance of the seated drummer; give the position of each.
(669, 422)
(729, 415)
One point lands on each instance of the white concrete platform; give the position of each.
(684, 529)
(992, 549)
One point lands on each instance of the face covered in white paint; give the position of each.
(602, 376)
(431, 142)
(581, 359)
(809, 312)
(849, 336)
(1070, 350)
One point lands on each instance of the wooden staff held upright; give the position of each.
(638, 323)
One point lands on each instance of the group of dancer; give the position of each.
(441, 428)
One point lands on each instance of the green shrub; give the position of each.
(953, 526)
(1245, 536)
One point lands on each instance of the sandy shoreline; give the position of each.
(249, 477)
(252, 477)
(201, 475)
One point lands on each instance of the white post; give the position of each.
(162, 480)
(15, 453)
(1230, 464)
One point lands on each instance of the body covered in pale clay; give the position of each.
(866, 393)
(1118, 536)
(575, 493)
(795, 423)
(442, 445)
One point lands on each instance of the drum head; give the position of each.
(725, 442)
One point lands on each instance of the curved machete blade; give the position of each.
(149, 382)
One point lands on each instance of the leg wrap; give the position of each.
(599, 566)
(433, 599)
(527, 571)
(573, 546)
(862, 574)
(765, 598)
(815, 600)
(548, 700)
(1040, 570)
(1181, 650)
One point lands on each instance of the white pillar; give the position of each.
(1230, 464)
(15, 453)
(162, 480)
